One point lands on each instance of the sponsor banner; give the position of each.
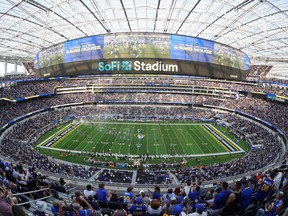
(192, 49)
(84, 49)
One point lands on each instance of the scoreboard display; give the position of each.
(142, 53)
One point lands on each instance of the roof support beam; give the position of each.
(187, 16)
(93, 14)
(42, 7)
(242, 4)
(156, 17)
(124, 9)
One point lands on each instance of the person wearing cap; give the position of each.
(41, 207)
(199, 207)
(166, 197)
(146, 199)
(138, 207)
(177, 210)
(272, 209)
(169, 207)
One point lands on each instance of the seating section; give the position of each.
(34, 191)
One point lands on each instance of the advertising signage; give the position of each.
(128, 46)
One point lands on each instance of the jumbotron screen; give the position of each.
(142, 53)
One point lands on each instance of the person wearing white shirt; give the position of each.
(88, 191)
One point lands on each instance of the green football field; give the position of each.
(128, 139)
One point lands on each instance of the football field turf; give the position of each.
(134, 139)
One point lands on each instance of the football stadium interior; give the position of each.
(153, 107)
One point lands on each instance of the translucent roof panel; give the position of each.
(257, 27)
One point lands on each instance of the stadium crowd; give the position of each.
(16, 145)
(243, 197)
(21, 89)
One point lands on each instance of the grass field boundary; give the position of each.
(140, 123)
(95, 147)
(137, 156)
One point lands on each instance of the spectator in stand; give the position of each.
(128, 195)
(187, 187)
(89, 191)
(78, 210)
(232, 203)
(169, 207)
(199, 210)
(167, 197)
(41, 207)
(6, 205)
(114, 197)
(219, 201)
(156, 193)
(93, 203)
(194, 193)
(265, 187)
(102, 193)
(146, 199)
(120, 212)
(154, 207)
(138, 207)
(272, 209)
(246, 195)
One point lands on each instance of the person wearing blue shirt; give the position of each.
(156, 193)
(128, 195)
(272, 209)
(246, 196)
(194, 193)
(219, 202)
(102, 194)
(138, 207)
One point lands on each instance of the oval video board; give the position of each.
(143, 53)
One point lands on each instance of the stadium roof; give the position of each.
(257, 27)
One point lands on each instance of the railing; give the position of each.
(31, 193)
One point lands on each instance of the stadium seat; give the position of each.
(114, 205)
